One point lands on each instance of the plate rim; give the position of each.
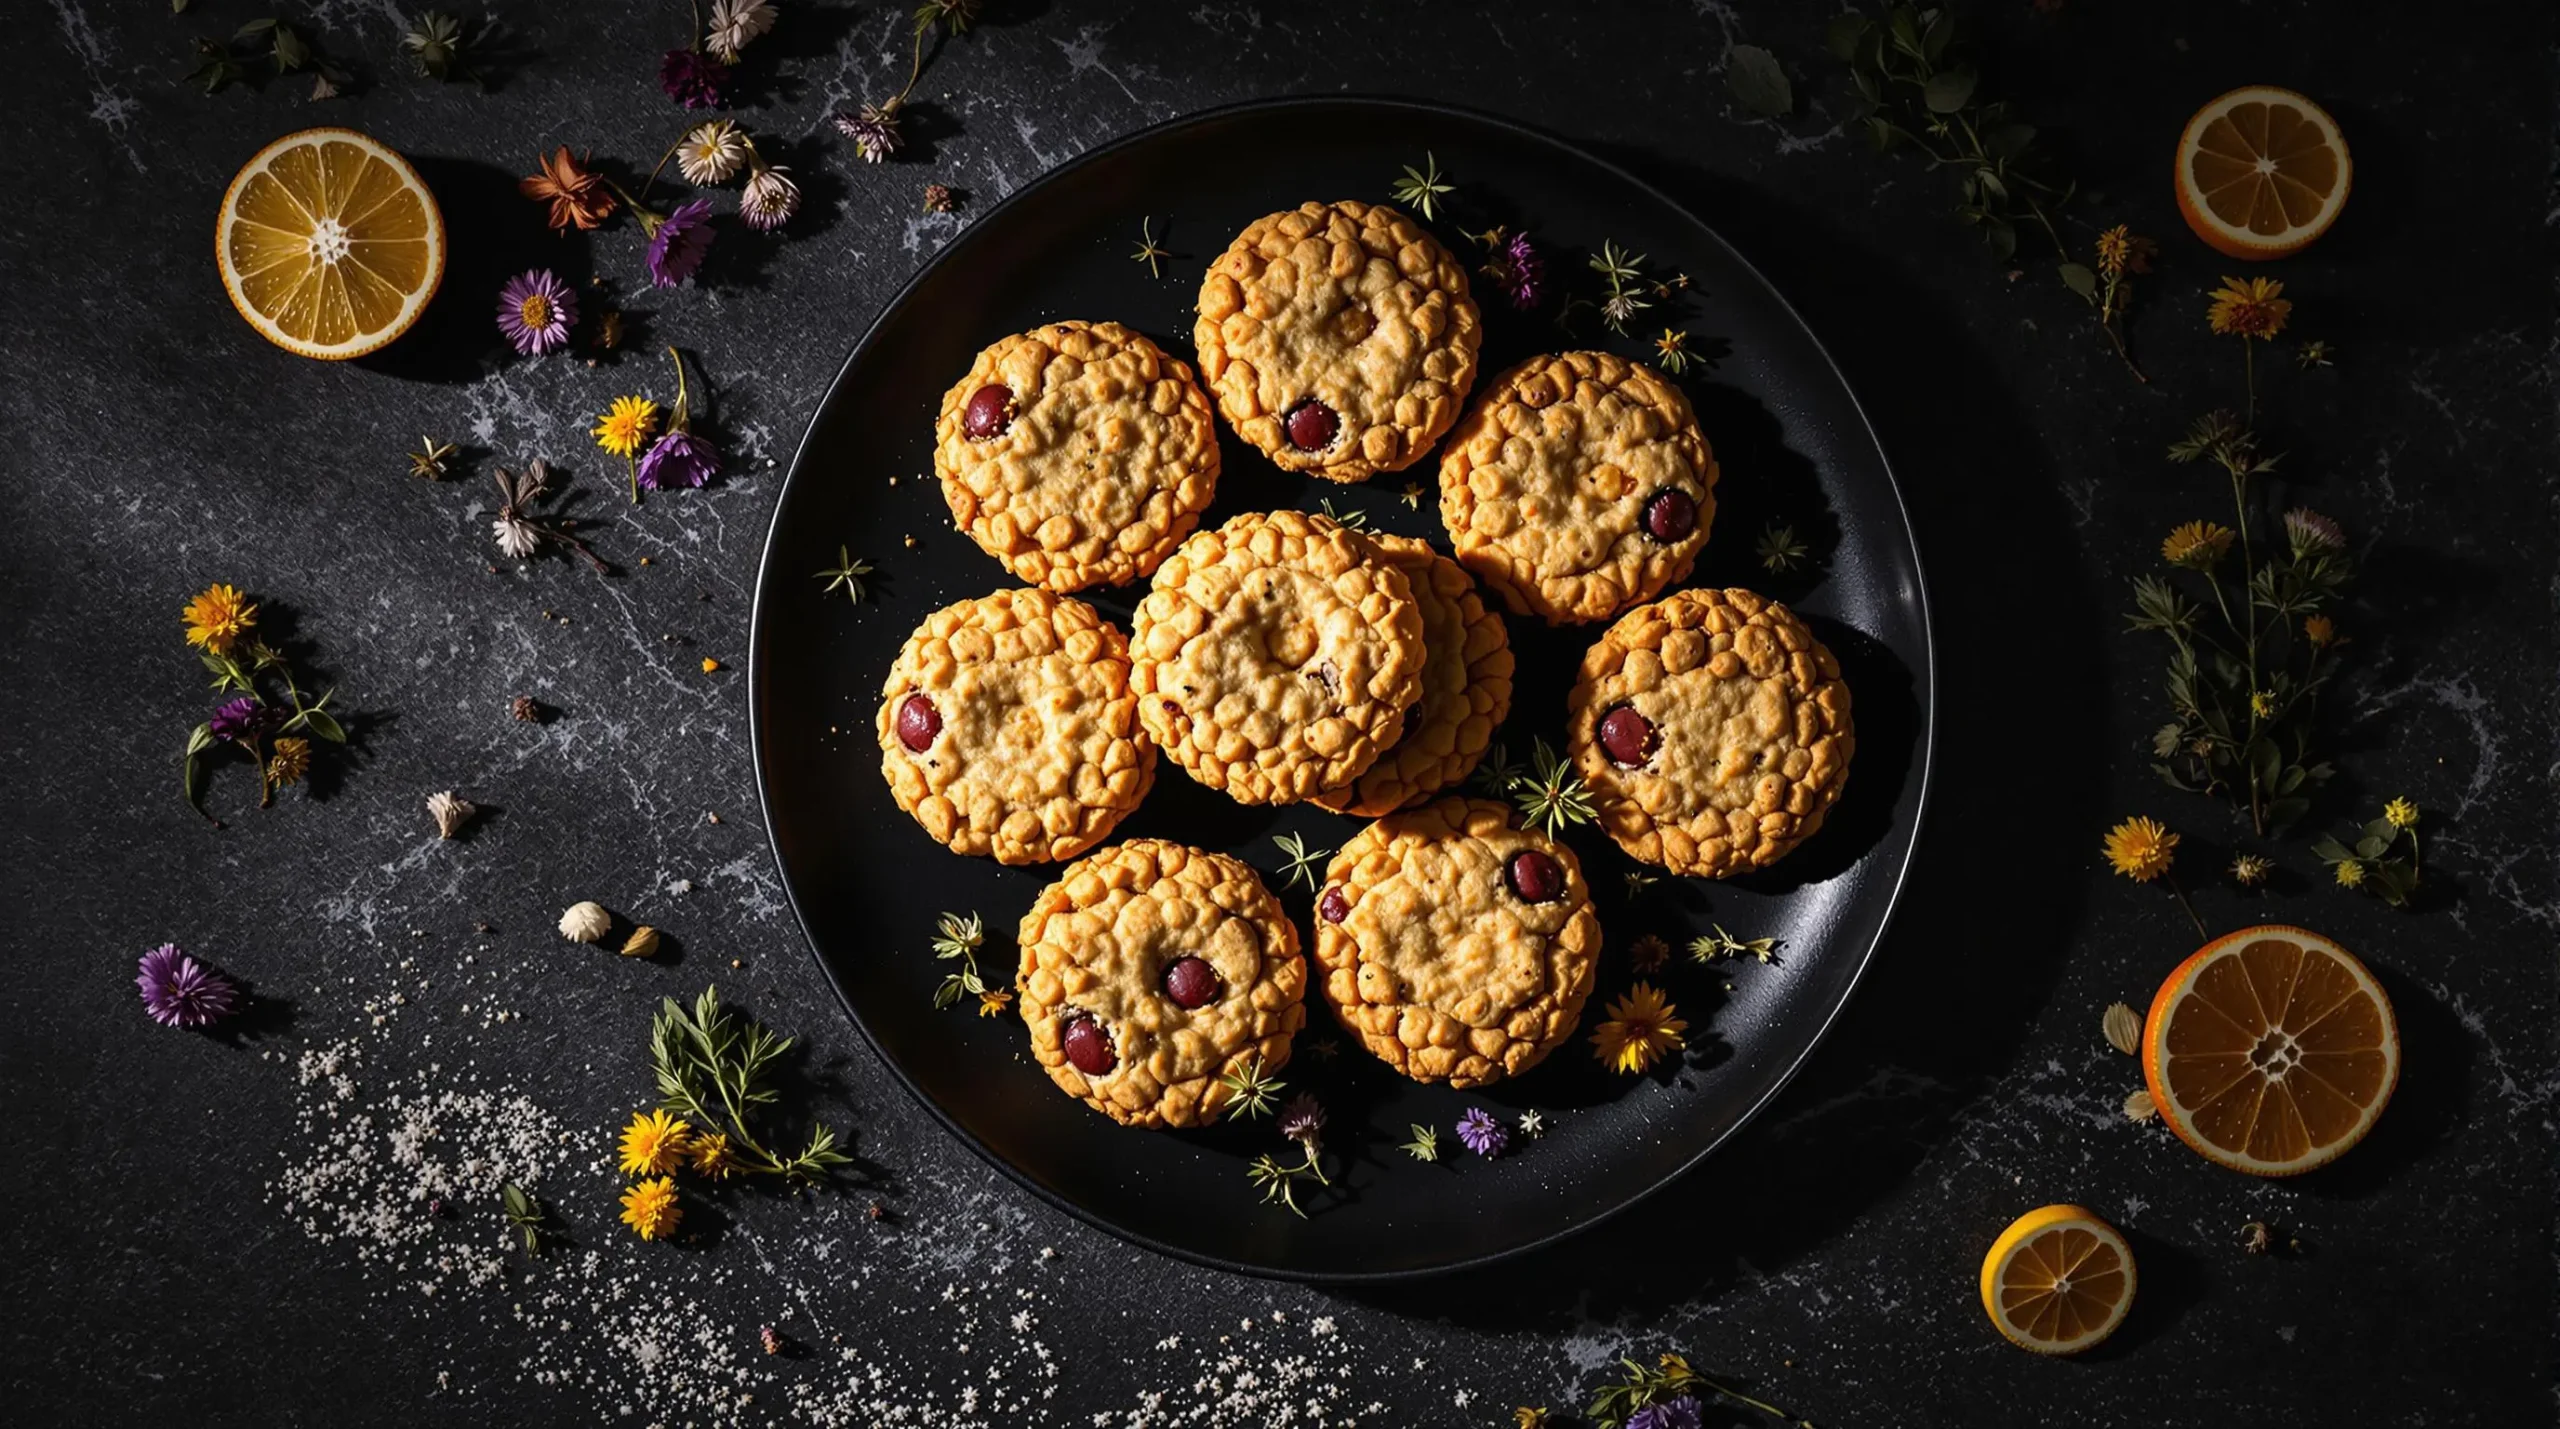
(758, 670)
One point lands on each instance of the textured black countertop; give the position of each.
(232, 1229)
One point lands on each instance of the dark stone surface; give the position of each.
(160, 1269)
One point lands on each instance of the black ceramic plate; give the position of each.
(867, 883)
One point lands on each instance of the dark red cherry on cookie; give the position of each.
(1536, 877)
(1670, 516)
(1312, 425)
(1333, 907)
(989, 412)
(1191, 982)
(1088, 1047)
(918, 723)
(1627, 736)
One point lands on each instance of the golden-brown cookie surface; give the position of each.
(1339, 338)
(1276, 655)
(1713, 730)
(1458, 948)
(1578, 486)
(1078, 454)
(1007, 727)
(1466, 687)
(1149, 971)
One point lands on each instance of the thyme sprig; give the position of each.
(1149, 251)
(1251, 1090)
(958, 937)
(1709, 947)
(847, 575)
(2243, 692)
(1306, 865)
(1421, 189)
(715, 1067)
(1278, 1180)
(1551, 795)
(524, 1215)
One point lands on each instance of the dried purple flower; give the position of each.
(677, 245)
(1483, 1135)
(680, 459)
(240, 720)
(873, 130)
(536, 311)
(178, 991)
(692, 79)
(1681, 1412)
(2312, 532)
(770, 198)
(1519, 270)
(1302, 1120)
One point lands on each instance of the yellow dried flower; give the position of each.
(630, 422)
(654, 1143)
(2121, 251)
(217, 617)
(2401, 813)
(1648, 954)
(2351, 873)
(642, 943)
(993, 1001)
(2251, 869)
(2141, 849)
(2321, 631)
(1525, 1417)
(1642, 1028)
(650, 1208)
(712, 1156)
(291, 761)
(2263, 704)
(2249, 308)
(2197, 545)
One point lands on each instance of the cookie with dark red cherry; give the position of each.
(1457, 947)
(1578, 486)
(1466, 687)
(1276, 655)
(1078, 454)
(1713, 730)
(1008, 727)
(1339, 338)
(1150, 972)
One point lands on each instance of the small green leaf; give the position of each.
(1841, 36)
(1947, 90)
(2008, 141)
(2079, 279)
(2382, 829)
(253, 28)
(325, 725)
(2329, 850)
(1933, 41)
(2372, 847)
(292, 51)
(1758, 82)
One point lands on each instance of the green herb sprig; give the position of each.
(1251, 1090)
(848, 575)
(956, 937)
(2374, 862)
(1425, 1145)
(1551, 796)
(1719, 944)
(1305, 868)
(1640, 1387)
(2244, 690)
(524, 1215)
(1421, 189)
(1278, 1180)
(715, 1068)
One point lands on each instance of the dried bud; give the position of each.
(585, 922)
(2123, 1028)
(526, 708)
(642, 943)
(2139, 1106)
(450, 812)
(772, 1340)
(2257, 1238)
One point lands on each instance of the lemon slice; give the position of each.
(329, 243)
(2271, 1051)
(2058, 1280)
(2262, 172)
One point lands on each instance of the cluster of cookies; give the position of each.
(1283, 657)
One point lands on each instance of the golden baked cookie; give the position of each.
(1338, 337)
(1151, 970)
(1276, 656)
(1078, 454)
(1579, 485)
(1466, 687)
(1007, 727)
(1713, 730)
(1456, 947)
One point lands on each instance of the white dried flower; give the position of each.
(450, 812)
(734, 23)
(712, 152)
(517, 537)
(585, 922)
(769, 198)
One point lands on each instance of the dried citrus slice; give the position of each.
(2262, 172)
(2058, 1280)
(2271, 1050)
(329, 243)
